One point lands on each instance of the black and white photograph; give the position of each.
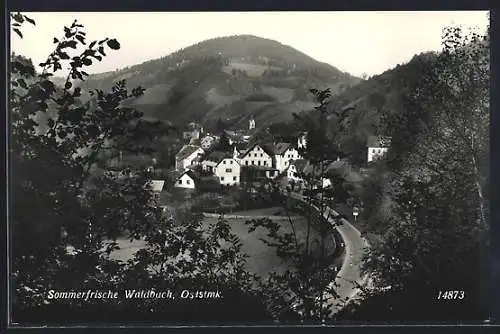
(248, 168)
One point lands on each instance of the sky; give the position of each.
(354, 42)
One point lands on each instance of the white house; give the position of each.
(228, 170)
(186, 156)
(186, 180)
(378, 147)
(283, 154)
(257, 155)
(207, 142)
(294, 169)
(302, 140)
(212, 160)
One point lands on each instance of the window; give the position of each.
(231, 162)
(188, 181)
(222, 178)
(255, 155)
(228, 170)
(261, 155)
(253, 162)
(258, 162)
(179, 182)
(265, 163)
(234, 178)
(224, 162)
(246, 162)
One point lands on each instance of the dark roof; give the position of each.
(240, 146)
(186, 151)
(378, 141)
(218, 156)
(280, 148)
(264, 147)
(189, 173)
(228, 157)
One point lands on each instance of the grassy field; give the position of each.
(262, 259)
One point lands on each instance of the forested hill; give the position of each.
(383, 94)
(230, 78)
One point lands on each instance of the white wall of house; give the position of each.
(228, 171)
(185, 181)
(375, 153)
(291, 173)
(257, 157)
(208, 165)
(207, 142)
(326, 183)
(187, 161)
(302, 141)
(283, 160)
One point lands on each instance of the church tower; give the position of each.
(251, 124)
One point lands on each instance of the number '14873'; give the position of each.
(451, 294)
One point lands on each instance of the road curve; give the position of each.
(355, 245)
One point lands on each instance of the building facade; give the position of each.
(187, 156)
(228, 170)
(378, 146)
(284, 153)
(257, 156)
(186, 180)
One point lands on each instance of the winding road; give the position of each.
(355, 244)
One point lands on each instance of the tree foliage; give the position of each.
(78, 208)
(436, 191)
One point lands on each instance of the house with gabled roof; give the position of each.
(186, 180)
(302, 140)
(257, 155)
(211, 160)
(228, 170)
(295, 170)
(378, 146)
(284, 153)
(187, 156)
(208, 141)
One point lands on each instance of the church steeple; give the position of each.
(251, 124)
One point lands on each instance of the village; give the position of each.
(206, 165)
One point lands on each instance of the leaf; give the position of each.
(113, 44)
(87, 62)
(81, 39)
(92, 44)
(18, 17)
(30, 20)
(63, 55)
(72, 44)
(101, 50)
(67, 32)
(56, 40)
(68, 85)
(17, 31)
